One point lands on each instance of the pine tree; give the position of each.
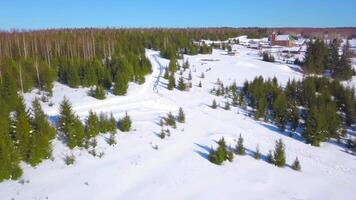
(312, 131)
(112, 124)
(279, 154)
(8, 89)
(296, 165)
(98, 93)
(171, 82)
(22, 130)
(202, 75)
(333, 57)
(121, 84)
(294, 116)
(240, 149)
(181, 84)
(186, 65)
(261, 108)
(124, 123)
(181, 116)
(199, 84)
(70, 125)
(219, 155)
(42, 135)
(214, 104)
(104, 123)
(93, 125)
(344, 69)
(172, 66)
(280, 113)
(190, 76)
(9, 157)
(170, 120)
(162, 134)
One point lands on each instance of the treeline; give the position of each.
(101, 57)
(320, 107)
(321, 57)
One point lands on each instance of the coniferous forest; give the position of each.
(107, 59)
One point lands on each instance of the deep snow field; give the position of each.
(178, 168)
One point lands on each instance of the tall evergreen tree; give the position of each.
(22, 130)
(121, 84)
(42, 135)
(93, 125)
(280, 113)
(70, 125)
(181, 84)
(240, 149)
(9, 157)
(279, 154)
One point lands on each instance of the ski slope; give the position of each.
(178, 168)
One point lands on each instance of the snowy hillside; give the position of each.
(143, 166)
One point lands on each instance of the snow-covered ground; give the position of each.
(178, 168)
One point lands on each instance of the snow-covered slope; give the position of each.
(179, 168)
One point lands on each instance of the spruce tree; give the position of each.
(294, 116)
(181, 84)
(41, 136)
(214, 105)
(170, 120)
(279, 154)
(190, 76)
(9, 157)
(112, 124)
(296, 165)
(121, 84)
(162, 134)
(22, 130)
(171, 82)
(93, 125)
(199, 84)
(280, 113)
(98, 93)
(70, 125)
(181, 116)
(344, 69)
(219, 155)
(124, 123)
(240, 149)
(270, 158)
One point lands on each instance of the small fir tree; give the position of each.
(240, 149)
(181, 116)
(214, 105)
(124, 124)
(181, 85)
(296, 165)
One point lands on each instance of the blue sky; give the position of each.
(36, 14)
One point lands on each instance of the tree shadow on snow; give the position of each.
(287, 133)
(204, 153)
